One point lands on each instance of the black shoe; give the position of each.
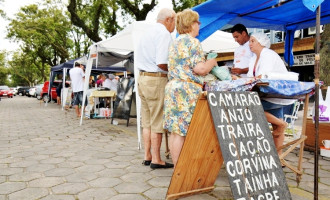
(158, 166)
(146, 162)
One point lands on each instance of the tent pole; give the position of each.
(289, 50)
(63, 86)
(317, 89)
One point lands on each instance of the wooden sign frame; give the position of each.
(191, 174)
(200, 158)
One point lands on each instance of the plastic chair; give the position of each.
(294, 115)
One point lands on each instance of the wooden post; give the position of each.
(200, 158)
(303, 134)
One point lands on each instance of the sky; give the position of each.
(11, 7)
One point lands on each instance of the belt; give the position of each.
(155, 74)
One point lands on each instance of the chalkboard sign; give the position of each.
(247, 146)
(124, 98)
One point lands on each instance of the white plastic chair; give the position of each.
(293, 116)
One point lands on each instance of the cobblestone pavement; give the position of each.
(45, 154)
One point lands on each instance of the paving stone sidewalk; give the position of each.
(45, 154)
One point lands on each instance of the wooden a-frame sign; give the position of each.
(253, 167)
(199, 162)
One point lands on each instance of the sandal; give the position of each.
(146, 162)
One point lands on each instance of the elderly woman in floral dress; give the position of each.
(186, 70)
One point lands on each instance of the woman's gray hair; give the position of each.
(165, 13)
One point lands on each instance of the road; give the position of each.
(45, 154)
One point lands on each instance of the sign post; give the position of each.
(251, 160)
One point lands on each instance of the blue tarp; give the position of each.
(289, 15)
(58, 69)
(286, 88)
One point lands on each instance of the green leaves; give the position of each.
(179, 5)
(45, 30)
(44, 34)
(51, 33)
(26, 69)
(3, 69)
(325, 58)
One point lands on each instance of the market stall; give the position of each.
(218, 14)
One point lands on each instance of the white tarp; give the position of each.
(220, 42)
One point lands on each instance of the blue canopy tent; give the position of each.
(285, 15)
(64, 67)
(281, 15)
(59, 69)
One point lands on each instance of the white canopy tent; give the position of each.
(125, 42)
(220, 42)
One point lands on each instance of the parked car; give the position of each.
(22, 91)
(44, 90)
(38, 90)
(5, 91)
(14, 90)
(32, 92)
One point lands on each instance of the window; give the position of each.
(278, 36)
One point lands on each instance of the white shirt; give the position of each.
(269, 62)
(77, 79)
(106, 83)
(242, 56)
(111, 84)
(152, 49)
(114, 85)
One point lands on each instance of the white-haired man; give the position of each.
(151, 59)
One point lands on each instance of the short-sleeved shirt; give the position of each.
(153, 48)
(184, 86)
(242, 56)
(77, 79)
(110, 84)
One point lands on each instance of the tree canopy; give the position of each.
(3, 69)
(2, 13)
(96, 17)
(51, 33)
(44, 37)
(325, 52)
(44, 31)
(25, 69)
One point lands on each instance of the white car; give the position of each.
(14, 90)
(38, 90)
(32, 92)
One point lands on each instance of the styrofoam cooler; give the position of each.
(325, 151)
(105, 112)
